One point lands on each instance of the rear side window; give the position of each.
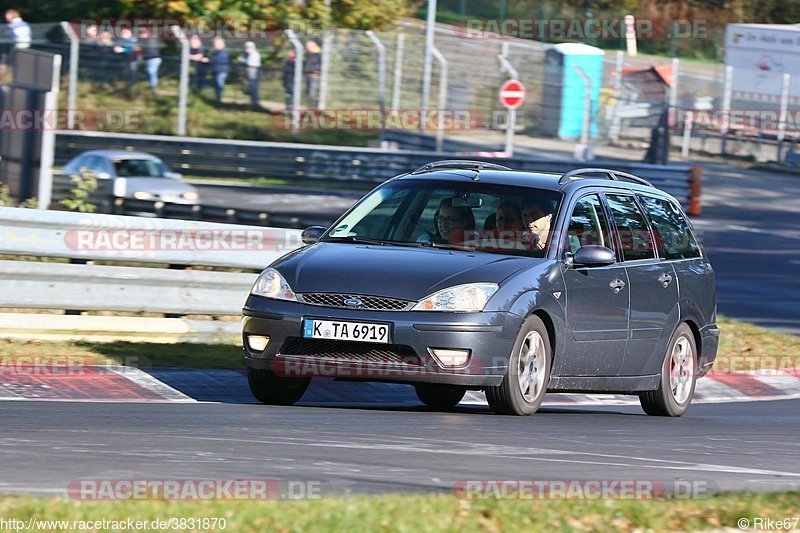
(632, 226)
(588, 225)
(673, 234)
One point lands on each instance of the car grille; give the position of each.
(362, 352)
(369, 303)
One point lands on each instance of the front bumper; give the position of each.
(489, 336)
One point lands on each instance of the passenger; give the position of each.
(537, 221)
(451, 223)
(509, 226)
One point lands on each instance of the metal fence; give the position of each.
(384, 70)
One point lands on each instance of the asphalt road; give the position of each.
(380, 447)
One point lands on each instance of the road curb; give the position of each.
(127, 384)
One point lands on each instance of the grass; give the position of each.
(234, 118)
(743, 347)
(426, 512)
(139, 354)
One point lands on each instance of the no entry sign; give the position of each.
(512, 94)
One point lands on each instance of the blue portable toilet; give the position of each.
(564, 95)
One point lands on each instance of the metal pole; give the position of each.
(324, 70)
(183, 86)
(442, 97)
(787, 81)
(47, 158)
(687, 134)
(381, 74)
(726, 106)
(587, 113)
(614, 130)
(298, 78)
(511, 120)
(72, 88)
(398, 70)
(426, 67)
(673, 90)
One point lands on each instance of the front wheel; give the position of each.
(678, 377)
(528, 373)
(441, 397)
(272, 389)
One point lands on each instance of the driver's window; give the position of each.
(587, 225)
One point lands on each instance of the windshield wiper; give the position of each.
(364, 240)
(462, 247)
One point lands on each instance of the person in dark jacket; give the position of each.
(288, 80)
(151, 52)
(219, 63)
(127, 48)
(197, 55)
(312, 68)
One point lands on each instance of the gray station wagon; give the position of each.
(465, 275)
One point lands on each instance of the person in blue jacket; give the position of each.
(219, 63)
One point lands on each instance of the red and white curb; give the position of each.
(128, 384)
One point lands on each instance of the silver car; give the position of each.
(135, 175)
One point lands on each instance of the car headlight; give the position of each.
(191, 195)
(470, 297)
(141, 195)
(271, 284)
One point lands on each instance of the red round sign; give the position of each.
(512, 94)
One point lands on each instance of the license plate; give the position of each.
(345, 331)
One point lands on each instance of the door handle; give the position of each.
(664, 280)
(617, 285)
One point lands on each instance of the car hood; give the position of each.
(157, 185)
(398, 272)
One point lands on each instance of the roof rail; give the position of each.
(616, 175)
(459, 164)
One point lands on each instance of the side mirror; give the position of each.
(594, 256)
(173, 175)
(312, 234)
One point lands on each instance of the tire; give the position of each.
(275, 390)
(678, 377)
(441, 397)
(509, 398)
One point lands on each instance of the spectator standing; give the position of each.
(151, 52)
(219, 63)
(288, 80)
(127, 48)
(197, 55)
(312, 68)
(106, 63)
(20, 30)
(251, 60)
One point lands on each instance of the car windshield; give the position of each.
(150, 168)
(469, 216)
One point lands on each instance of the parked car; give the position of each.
(135, 175)
(470, 276)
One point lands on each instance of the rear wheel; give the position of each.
(528, 373)
(272, 389)
(440, 396)
(678, 377)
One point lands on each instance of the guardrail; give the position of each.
(229, 159)
(174, 249)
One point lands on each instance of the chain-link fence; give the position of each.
(174, 80)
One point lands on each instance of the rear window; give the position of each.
(671, 229)
(632, 226)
